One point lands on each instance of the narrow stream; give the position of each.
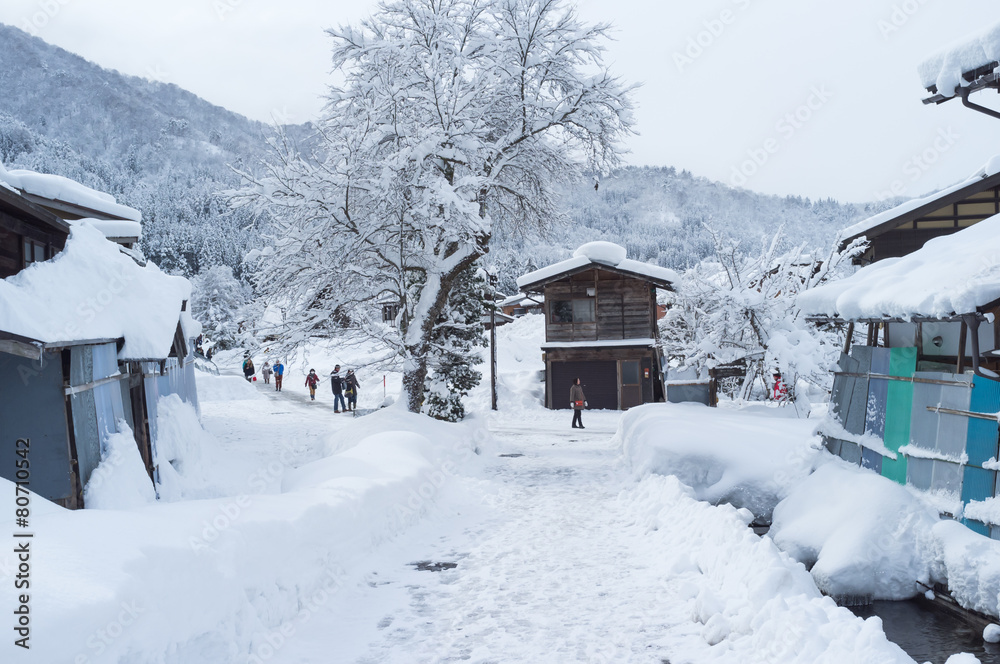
(929, 635)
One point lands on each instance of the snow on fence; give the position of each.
(936, 432)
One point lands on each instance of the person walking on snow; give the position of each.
(351, 386)
(248, 369)
(279, 371)
(267, 371)
(577, 401)
(312, 382)
(337, 383)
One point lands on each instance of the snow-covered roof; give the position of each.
(91, 290)
(952, 274)
(114, 228)
(61, 189)
(521, 297)
(944, 69)
(990, 169)
(599, 254)
(604, 343)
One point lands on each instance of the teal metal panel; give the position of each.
(982, 437)
(977, 484)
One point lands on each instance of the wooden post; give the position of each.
(849, 339)
(963, 332)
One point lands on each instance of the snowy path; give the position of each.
(553, 566)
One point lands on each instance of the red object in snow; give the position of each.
(255, 379)
(780, 391)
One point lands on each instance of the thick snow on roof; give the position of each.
(521, 297)
(991, 168)
(944, 69)
(92, 291)
(58, 188)
(113, 228)
(602, 253)
(953, 274)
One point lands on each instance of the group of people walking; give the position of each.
(345, 388)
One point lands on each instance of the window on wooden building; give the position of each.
(573, 311)
(34, 252)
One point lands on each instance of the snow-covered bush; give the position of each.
(740, 306)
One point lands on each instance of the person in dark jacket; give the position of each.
(312, 382)
(577, 401)
(337, 383)
(351, 386)
(248, 369)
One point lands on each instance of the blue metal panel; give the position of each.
(33, 406)
(977, 484)
(871, 459)
(850, 452)
(977, 527)
(982, 441)
(858, 406)
(919, 473)
(878, 392)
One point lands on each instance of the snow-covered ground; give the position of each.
(288, 533)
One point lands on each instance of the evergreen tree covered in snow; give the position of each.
(219, 302)
(457, 335)
(455, 121)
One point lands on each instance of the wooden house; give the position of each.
(522, 304)
(73, 202)
(917, 402)
(600, 326)
(28, 233)
(905, 228)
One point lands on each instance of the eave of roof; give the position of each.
(18, 203)
(536, 286)
(932, 203)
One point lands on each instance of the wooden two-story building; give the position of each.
(601, 326)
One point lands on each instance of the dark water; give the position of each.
(929, 635)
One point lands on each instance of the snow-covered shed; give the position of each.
(918, 402)
(89, 342)
(905, 228)
(74, 203)
(522, 304)
(600, 326)
(968, 66)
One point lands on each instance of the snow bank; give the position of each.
(860, 533)
(59, 188)
(972, 564)
(92, 291)
(747, 460)
(177, 451)
(224, 580)
(950, 274)
(225, 388)
(120, 481)
(752, 602)
(944, 69)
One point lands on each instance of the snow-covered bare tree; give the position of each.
(741, 306)
(455, 118)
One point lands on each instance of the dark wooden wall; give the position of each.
(10, 253)
(625, 308)
(13, 230)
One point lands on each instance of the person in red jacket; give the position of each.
(312, 382)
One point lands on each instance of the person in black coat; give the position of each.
(337, 383)
(351, 386)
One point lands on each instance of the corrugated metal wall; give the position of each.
(935, 451)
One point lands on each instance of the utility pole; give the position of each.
(493, 339)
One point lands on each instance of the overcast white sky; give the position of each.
(709, 111)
